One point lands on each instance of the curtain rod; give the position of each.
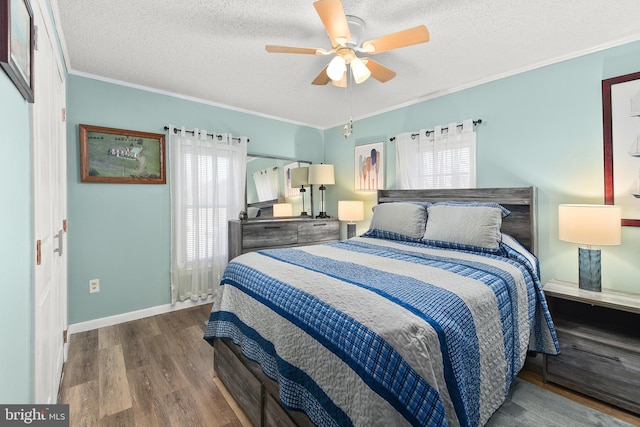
(413, 135)
(212, 135)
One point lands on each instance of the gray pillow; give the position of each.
(398, 221)
(473, 225)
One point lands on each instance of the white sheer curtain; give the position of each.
(266, 181)
(446, 158)
(207, 184)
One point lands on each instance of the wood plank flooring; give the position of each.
(158, 371)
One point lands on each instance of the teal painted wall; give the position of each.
(16, 248)
(540, 128)
(120, 233)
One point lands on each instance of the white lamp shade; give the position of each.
(282, 209)
(336, 68)
(340, 83)
(299, 177)
(350, 210)
(321, 174)
(360, 70)
(590, 224)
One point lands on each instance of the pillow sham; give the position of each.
(423, 204)
(465, 225)
(398, 221)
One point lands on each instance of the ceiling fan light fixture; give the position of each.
(342, 82)
(336, 68)
(346, 33)
(359, 70)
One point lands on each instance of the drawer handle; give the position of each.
(614, 358)
(272, 227)
(320, 225)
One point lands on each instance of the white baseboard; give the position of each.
(133, 315)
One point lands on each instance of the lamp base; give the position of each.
(302, 191)
(351, 230)
(322, 215)
(589, 269)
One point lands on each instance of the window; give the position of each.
(208, 221)
(442, 158)
(207, 181)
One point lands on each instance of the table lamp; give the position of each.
(282, 209)
(350, 210)
(589, 225)
(300, 178)
(321, 174)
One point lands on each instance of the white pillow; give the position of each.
(465, 224)
(398, 221)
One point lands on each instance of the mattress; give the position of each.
(370, 331)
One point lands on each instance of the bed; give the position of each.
(425, 319)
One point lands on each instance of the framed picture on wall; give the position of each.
(369, 167)
(111, 155)
(621, 125)
(16, 44)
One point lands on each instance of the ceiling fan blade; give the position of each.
(409, 37)
(287, 49)
(322, 78)
(334, 20)
(379, 71)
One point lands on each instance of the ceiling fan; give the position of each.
(345, 33)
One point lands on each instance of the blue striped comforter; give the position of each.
(378, 332)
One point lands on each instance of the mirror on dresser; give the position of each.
(268, 182)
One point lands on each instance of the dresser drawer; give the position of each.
(318, 231)
(269, 234)
(609, 370)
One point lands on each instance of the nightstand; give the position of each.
(599, 336)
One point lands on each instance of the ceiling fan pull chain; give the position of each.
(348, 98)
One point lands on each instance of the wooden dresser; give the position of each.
(599, 336)
(252, 235)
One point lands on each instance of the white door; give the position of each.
(50, 211)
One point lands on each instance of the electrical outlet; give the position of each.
(94, 286)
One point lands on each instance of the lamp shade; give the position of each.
(321, 174)
(299, 177)
(282, 209)
(336, 68)
(590, 224)
(350, 210)
(360, 70)
(340, 83)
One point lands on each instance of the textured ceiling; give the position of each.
(214, 50)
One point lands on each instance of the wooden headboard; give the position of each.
(521, 201)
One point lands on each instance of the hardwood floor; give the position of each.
(158, 371)
(613, 411)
